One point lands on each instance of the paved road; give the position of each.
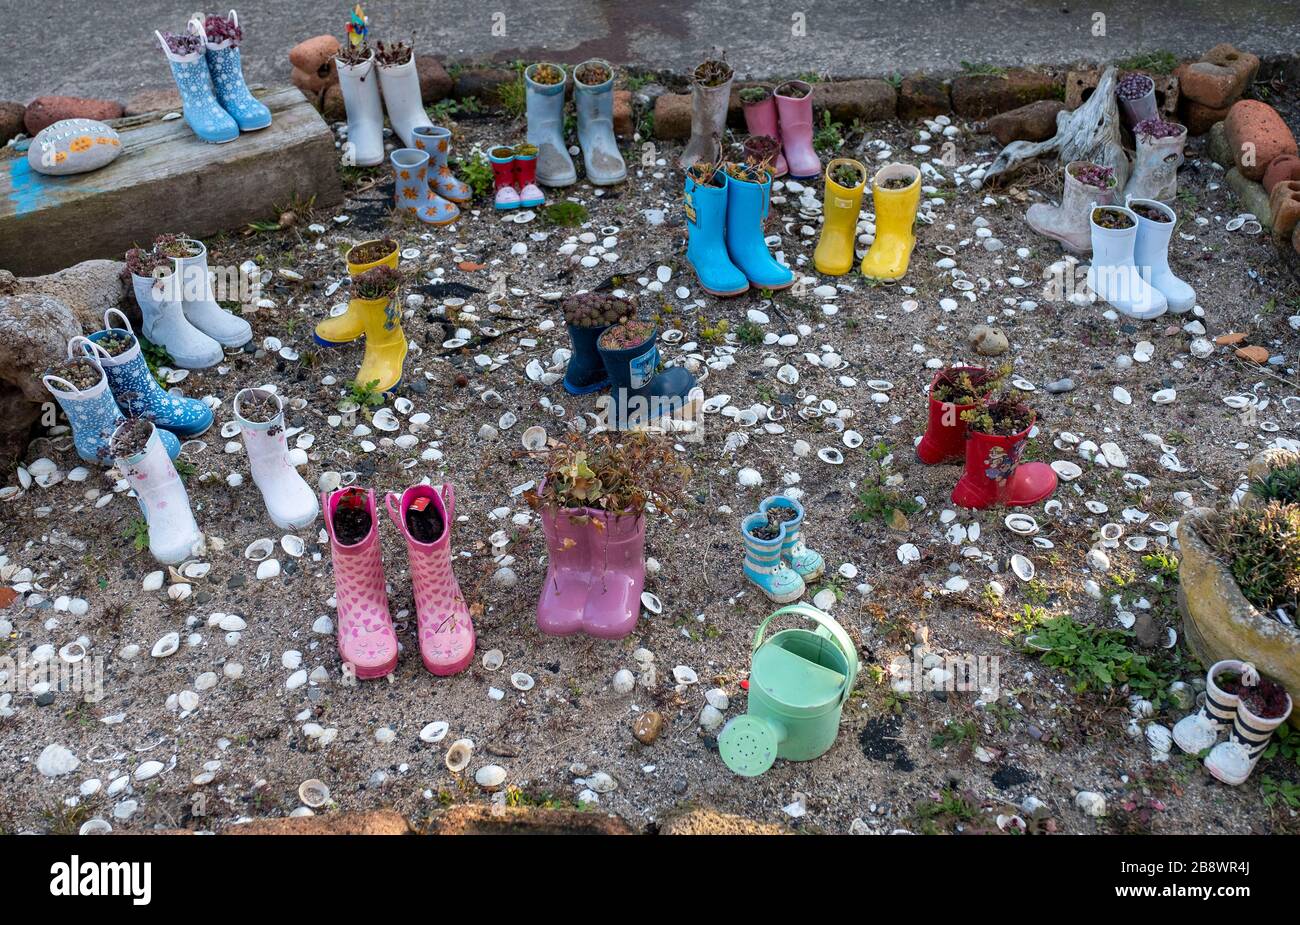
(59, 46)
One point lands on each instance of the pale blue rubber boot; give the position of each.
(763, 564)
(595, 105)
(706, 247)
(227, 70)
(545, 104)
(93, 414)
(138, 392)
(746, 209)
(203, 113)
(412, 191)
(808, 563)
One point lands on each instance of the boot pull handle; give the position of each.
(448, 499)
(393, 502)
(126, 322)
(95, 352)
(66, 387)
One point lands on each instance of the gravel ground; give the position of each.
(894, 755)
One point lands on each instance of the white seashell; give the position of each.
(684, 675)
(1092, 804)
(507, 420)
(153, 581)
(624, 681)
(259, 549)
(268, 568)
(788, 374)
(1022, 567)
(908, 553)
(852, 439)
(830, 456)
(313, 793)
(534, 438)
(292, 545)
(1021, 524)
(1066, 470)
(180, 592)
(459, 755)
(522, 681)
(166, 646)
(601, 782)
(824, 599)
(1111, 532)
(490, 776)
(493, 659)
(385, 420)
(1164, 396)
(651, 603)
(1136, 543)
(434, 732)
(1121, 395)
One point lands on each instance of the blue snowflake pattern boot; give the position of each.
(706, 247)
(763, 564)
(138, 392)
(189, 64)
(747, 204)
(221, 38)
(808, 563)
(93, 413)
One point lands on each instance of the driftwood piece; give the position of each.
(1089, 133)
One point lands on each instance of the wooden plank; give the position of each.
(166, 180)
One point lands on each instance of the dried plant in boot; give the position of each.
(593, 73)
(1134, 86)
(424, 521)
(713, 73)
(547, 74)
(966, 387)
(352, 521)
(391, 55)
(627, 335)
(849, 176)
(222, 29)
(370, 251)
(761, 152)
(352, 55)
(1261, 548)
(185, 44)
(1158, 128)
(1111, 218)
(1005, 416)
(258, 406)
(142, 262)
(1150, 213)
(596, 310)
(793, 90)
(81, 374)
(703, 174)
(753, 95)
(131, 438)
(621, 477)
(377, 283)
(1094, 175)
(174, 245)
(746, 172)
(1281, 484)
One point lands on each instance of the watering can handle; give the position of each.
(827, 622)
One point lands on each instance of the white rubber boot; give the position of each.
(401, 89)
(1200, 730)
(1113, 275)
(173, 534)
(290, 502)
(1151, 256)
(165, 323)
(201, 309)
(359, 85)
(1233, 761)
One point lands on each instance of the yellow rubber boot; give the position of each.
(385, 343)
(840, 208)
(895, 218)
(347, 327)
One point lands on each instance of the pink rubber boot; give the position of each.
(446, 629)
(760, 118)
(568, 570)
(366, 638)
(618, 565)
(796, 117)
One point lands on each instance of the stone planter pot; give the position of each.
(1219, 623)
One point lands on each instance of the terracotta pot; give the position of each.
(1219, 623)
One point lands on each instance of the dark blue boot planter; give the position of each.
(640, 393)
(586, 372)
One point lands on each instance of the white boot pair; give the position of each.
(173, 534)
(181, 315)
(1232, 760)
(1130, 264)
(290, 502)
(400, 84)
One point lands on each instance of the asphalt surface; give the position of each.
(108, 49)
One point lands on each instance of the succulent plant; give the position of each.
(596, 310)
(1134, 86)
(1280, 484)
(1261, 547)
(1158, 128)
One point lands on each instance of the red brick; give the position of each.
(435, 82)
(623, 126)
(1035, 122)
(1284, 203)
(982, 95)
(673, 117)
(1200, 119)
(1219, 78)
(921, 97)
(1281, 168)
(46, 110)
(1257, 133)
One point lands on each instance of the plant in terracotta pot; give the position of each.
(997, 429)
(587, 315)
(593, 502)
(953, 391)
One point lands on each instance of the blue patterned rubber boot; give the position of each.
(763, 565)
(227, 71)
(706, 247)
(746, 210)
(138, 392)
(94, 414)
(413, 193)
(808, 563)
(436, 140)
(198, 97)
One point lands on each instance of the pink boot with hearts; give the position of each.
(365, 629)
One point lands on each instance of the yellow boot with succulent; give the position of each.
(338, 330)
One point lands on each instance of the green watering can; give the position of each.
(798, 683)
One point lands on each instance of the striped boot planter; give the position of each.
(1233, 760)
(807, 562)
(763, 563)
(1199, 731)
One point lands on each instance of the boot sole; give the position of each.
(720, 294)
(782, 598)
(336, 343)
(369, 674)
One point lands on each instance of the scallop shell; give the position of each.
(534, 438)
(313, 793)
(259, 549)
(684, 675)
(459, 754)
(493, 659)
(1023, 567)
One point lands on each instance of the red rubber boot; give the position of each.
(945, 435)
(994, 474)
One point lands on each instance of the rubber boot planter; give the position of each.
(1199, 731)
(896, 190)
(760, 120)
(399, 85)
(641, 394)
(359, 85)
(204, 115)
(136, 390)
(365, 628)
(92, 411)
(289, 500)
(995, 475)
(799, 680)
(841, 206)
(945, 433)
(338, 330)
(1159, 155)
(710, 96)
(705, 205)
(807, 562)
(545, 106)
(1136, 95)
(530, 194)
(412, 191)
(424, 516)
(795, 113)
(198, 303)
(437, 141)
(381, 365)
(747, 205)
(594, 100)
(165, 323)
(1067, 223)
(506, 197)
(1151, 253)
(139, 453)
(764, 543)
(1233, 761)
(586, 372)
(1112, 275)
(221, 40)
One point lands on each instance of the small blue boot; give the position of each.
(706, 248)
(413, 192)
(808, 563)
(198, 97)
(227, 71)
(763, 565)
(586, 371)
(747, 204)
(138, 392)
(94, 414)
